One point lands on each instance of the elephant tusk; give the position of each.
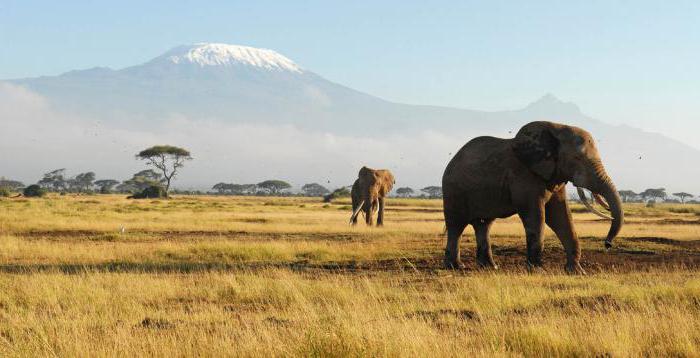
(588, 205)
(599, 199)
(357, 211)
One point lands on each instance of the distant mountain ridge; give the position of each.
(238, 84)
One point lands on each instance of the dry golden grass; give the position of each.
(287, 276)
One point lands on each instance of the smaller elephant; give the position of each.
(368, 193)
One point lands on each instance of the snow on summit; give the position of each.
(215, 54)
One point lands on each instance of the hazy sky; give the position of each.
(634, 62)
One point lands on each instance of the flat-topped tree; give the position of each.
(106, 185)
(274, 187)
(10, 184)
(659, 193)
(83, 181)
(683, 195)
(54, 180)
(433, 191)
(627, 195)
(314, 189)
(166, 158)
(404, 192)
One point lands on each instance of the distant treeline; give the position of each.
(57, 181)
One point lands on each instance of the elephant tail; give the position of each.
(357, 211)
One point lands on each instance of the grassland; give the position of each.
(251, 276)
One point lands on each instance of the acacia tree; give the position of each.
(83, 181)
(54, 180)
(659, 193)
(274, 186)
(106, 185)
(683, 196)
(404, 192)
(166, 158)
(222, 188)
(314, 189)
(244, 189)
(433, 191)
(627, 195)
(10, 184)
(141, 181)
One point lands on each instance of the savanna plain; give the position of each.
(262, 276)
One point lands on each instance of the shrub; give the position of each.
(34, 191)
(337, 193)
(4, 192)
(152, 192)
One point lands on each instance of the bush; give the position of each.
(34, 191)
(337, 193)
(152, 192)
(4, 192)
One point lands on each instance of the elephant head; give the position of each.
(559, 153)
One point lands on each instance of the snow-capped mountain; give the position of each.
(238, 85)
(216, 54)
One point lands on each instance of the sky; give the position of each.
(631, 62)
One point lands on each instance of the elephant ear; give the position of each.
(537, 147)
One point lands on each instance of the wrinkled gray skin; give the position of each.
(493, 178)
(368, 193)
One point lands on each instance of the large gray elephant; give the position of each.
(493, 178)
(368, 193)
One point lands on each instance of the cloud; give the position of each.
(35, 139)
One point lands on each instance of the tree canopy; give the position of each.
(10, 184)
(82, 182)
(314, 189)
(235, 189)
(54, 180)
(106, 185)
(274, 186)
(627, 195)
(161, 150)
(659, 193)
(141, 181)
(433, 191)
(683, 195)
(404, 192)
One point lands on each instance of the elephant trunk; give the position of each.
(603, 185)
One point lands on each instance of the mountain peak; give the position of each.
(549, 103)
(218, 54)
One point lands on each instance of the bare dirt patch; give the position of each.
(688, 244)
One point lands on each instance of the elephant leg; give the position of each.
(533, 220)
(558, 218)
(380, 212)
(369, 213)
(484, 257)
(454, 233)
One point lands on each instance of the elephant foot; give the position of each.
(575, 269)
(486, 264)
(453, 264)
(535, 267)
